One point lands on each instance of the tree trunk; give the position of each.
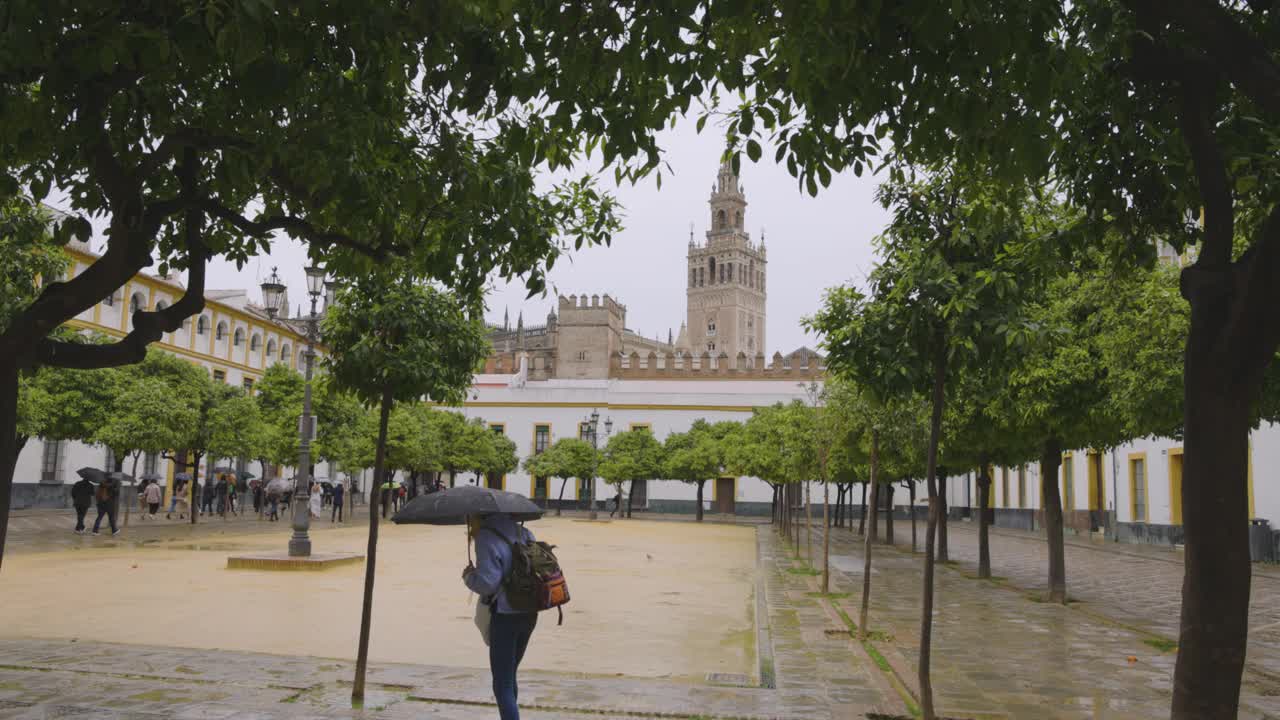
(1215, 506)
(862, 519)
(926, 606)
(911, 494)
(134, 474)
(559, 500)
(700, 484)
(869, 537)
(195, 474)
(773, 504)
(826, 538)
(371, 562)
(9, 446)
(808, 526)
(943, 556)
(1050, 459)
(888, 514)
(984, 544)
(631, 498)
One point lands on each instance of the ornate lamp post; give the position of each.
(273, 293)
(593, 425)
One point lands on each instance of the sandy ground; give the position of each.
(650, 599)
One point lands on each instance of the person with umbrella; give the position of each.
(82, 494)
(106, 495)
(180, 481)
(493, 519)
(336, 512)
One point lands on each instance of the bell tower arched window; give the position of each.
(737, 220)
(711, 270)
(720, 220)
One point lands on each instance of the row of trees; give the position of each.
(425, 146)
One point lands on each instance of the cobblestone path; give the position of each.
(1000, 653)
(1138, 585)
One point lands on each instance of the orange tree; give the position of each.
(396, 339)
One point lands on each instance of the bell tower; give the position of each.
(726, 278)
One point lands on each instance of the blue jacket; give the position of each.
(493, 558)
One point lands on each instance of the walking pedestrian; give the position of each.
(257, 497)
(273, 506)
(206, 498)
(336, 512)
(81, 499)
(509, 631)
(314, 500)
(220, 495)
(178, 502)
(154, 495)
(106, 496)
(231, 494)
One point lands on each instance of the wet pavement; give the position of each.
(998, 652)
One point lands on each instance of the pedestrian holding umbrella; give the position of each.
(515, 576)
(120, 479)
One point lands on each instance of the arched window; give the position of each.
(160, 305)
(109, 300)
(693, 277)
(238, 339)
(136, 303)
(728, 270)
(285, 352)
(720, 220)
(711, 270)
(751, 273)
(271, 348)
(221, 331)
(255, 342)
(202, 325)
(738, 220)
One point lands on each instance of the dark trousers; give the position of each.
(508, 637)
(81, 511)
(108, 509)
(337, 511)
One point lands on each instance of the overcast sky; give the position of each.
(813, 244)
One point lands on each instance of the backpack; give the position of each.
(535, 582)
(103, 494)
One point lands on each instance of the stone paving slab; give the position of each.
(999, 653)
(1139, 585)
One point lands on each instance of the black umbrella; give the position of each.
(151, 476)
(452, 506)
(119, 477)
(183, 476)
(92, 474)
(245, 475)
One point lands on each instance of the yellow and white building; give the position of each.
(232, 338)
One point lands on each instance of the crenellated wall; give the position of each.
(653, 366)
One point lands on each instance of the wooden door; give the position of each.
(639, 493)
(724, 496)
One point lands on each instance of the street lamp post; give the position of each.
(593, 425)
(273, 293)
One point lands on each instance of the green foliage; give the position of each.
(566, 458)
(403, 339)
(147, 416)
(701, 453)
(503, 459)
(29, 256)
(631, 455)
(237, 428)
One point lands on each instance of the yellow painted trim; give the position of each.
(613, 406)
(637, 426)
(1022, 486)
(1252, 511)
(1067, 488)
(533, 450)
(503, 428)
(1175, 487)
(1092, 471)
(97, 313)
(716, 483)
(215, 360)
(1133, 487)
(177, 291)
(124, 307)
(1004, 487)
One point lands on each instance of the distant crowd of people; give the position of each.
(224, 495)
